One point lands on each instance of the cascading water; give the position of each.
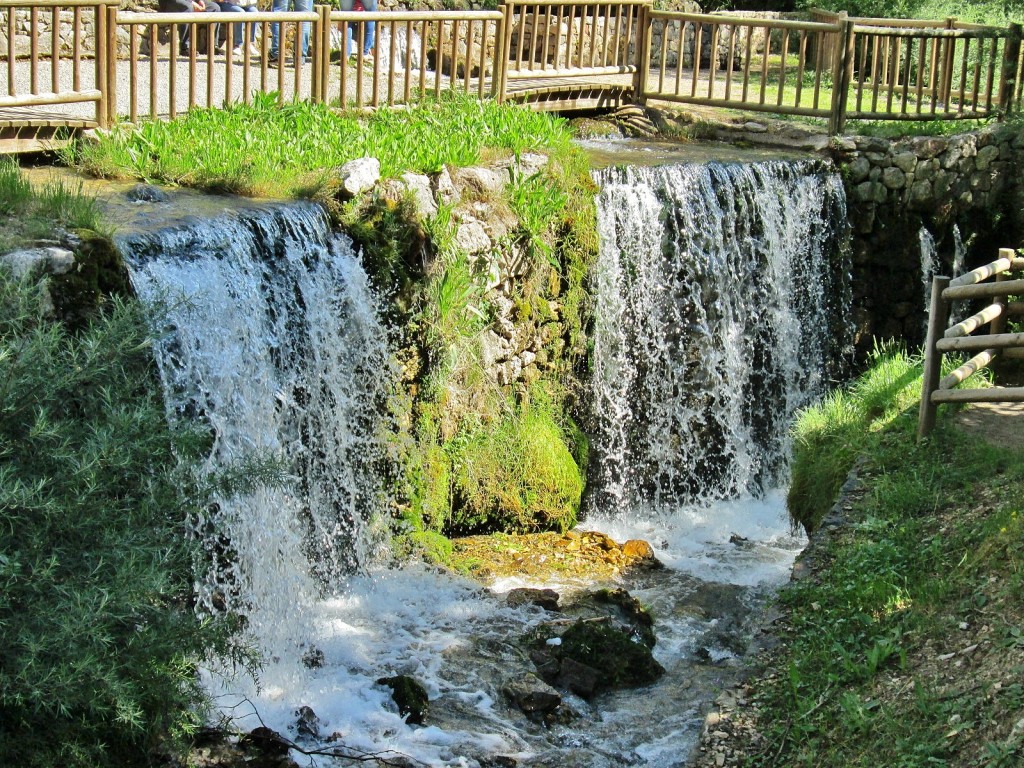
(272, 339)
(720, 298)
(721, 309)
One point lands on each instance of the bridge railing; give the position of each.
(64, 45)
(87, 62)
(761, 65)
(978, 284)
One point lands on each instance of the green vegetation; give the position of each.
(268, 150)
(830, 436)
(906, 648)
(99, 639)
(482, 455)
(33, 214)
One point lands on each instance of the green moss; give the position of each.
(517, 475)
(98, 274)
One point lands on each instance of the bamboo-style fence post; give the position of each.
(938, 318)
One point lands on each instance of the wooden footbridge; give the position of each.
(67, 65)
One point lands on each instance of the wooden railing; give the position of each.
(834, 68)
(68, 45)
(740, 63)
(957, 338)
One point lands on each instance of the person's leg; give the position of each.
(237, 29)
(275, 29)
(304, 5)
(371, 27)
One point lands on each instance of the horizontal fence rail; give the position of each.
(85, 63)
(972, 285)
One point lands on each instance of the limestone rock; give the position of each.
(532, 695)
(444, 188)
(472, 237)
(478, 182)
(49, 260)
(359, 175)
(422, 193)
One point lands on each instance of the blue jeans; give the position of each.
(352, 35)
(275, 29)
(229, 7)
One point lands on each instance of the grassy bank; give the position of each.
(904, 647)
(266, 150)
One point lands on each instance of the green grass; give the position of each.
(828, 437)
(31, 214)
(931, 561)
(264, 149)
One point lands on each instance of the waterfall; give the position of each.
(270, 337)
(721, 308)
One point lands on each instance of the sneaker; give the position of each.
(237, 52)
(254, 51)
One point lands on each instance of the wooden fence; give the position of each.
(991, 281)
(87, 63)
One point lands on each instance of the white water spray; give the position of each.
(721, 310)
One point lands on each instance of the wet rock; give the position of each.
(581, 679)
(409, 695)
(594, 656)
(146, 193)
(641, 552)
(532, 695)
(543, 598)
(307, 724)
(265, 748)
(313, 658)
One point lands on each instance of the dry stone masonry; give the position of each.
(967, 184)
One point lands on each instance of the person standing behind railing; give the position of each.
(275, 29)
(352, 35)
(184, 30)
(239, 6)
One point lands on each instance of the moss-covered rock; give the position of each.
(410, 696)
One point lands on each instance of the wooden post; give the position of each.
(938, 317)
(111, 64)
(643, 52)
(841, 79)
(101, 62)
(1008, 76)
(321, 53)
(504, 52)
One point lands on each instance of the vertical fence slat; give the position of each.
(764, 64)
(746, 62)
(55, 49)
(33, 51)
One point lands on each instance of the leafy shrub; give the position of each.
(98, 642)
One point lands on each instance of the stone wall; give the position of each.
(965, 187)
